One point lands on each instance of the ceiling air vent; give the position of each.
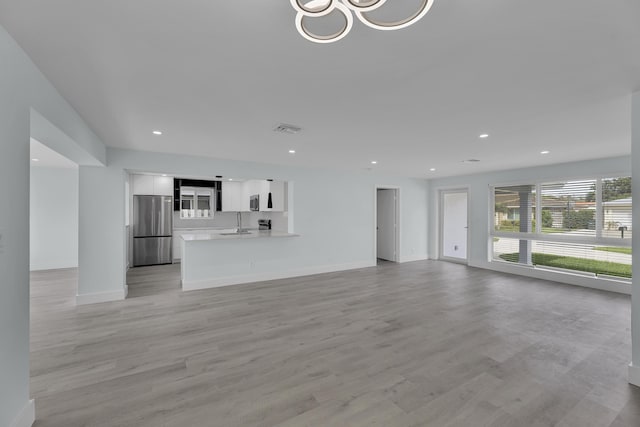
(285, 128)
(471, 161)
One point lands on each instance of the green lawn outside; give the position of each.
(578, 264)
(614, 249)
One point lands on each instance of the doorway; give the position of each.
(387, 224)
(454, 207)
(53, 209)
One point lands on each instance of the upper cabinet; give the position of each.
(272, 192)
(232, 196)
(163, 186)
(237, 196)
(150, 185)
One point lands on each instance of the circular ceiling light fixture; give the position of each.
(348, 8)
(319, 8)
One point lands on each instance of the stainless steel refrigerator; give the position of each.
(152, 230)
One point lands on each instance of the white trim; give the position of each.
(26, 417)
(261, 277)
(412, 258)
(561, 238)
(99, 297)
(553, 180)
(556, 276)
(634, 375)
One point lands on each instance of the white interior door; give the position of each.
(386, 224)
(454, 225)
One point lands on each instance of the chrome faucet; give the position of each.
(239, 218)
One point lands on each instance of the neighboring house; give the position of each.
(555, 206)
(617, 213)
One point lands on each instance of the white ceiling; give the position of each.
(216, 77)
(43, 156)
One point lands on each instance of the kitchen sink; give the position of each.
(235, 233)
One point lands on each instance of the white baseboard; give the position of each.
(634, 375)
(412, 258)
(26, 417)
(99, 297)
(261, 277)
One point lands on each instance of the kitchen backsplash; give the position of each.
(229, 220)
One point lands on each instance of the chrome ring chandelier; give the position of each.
(361, 8)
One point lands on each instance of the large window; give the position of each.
(579, 225)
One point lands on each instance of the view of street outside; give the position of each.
(594, 209)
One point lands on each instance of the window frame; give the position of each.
(197, 192)
(598, 239)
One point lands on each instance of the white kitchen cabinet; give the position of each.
(232, 196)
(278, 195)
(177, 245)
(150, 185)
(142, 185)
(236, 195)
(163, 186)
(276, 188)
(247, 192)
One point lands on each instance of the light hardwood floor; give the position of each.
(418, 344)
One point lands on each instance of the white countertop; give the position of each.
(253, 234)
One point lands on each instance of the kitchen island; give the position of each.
(213, 259)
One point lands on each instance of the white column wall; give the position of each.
(634, 369)
(102, 243)
(24, 90)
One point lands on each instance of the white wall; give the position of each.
(334, 212)
(53, 217)
(479, 209)
(102, 250)
(24, 92)
(634, 371)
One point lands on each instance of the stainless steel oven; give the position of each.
(254, 202)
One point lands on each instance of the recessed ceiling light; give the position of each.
(484, 135)
(545, 152)
(292, 151)
(230, 179)
(157, 132)
(35, 160)
(164, 174)
(373, 162)
(432, 169)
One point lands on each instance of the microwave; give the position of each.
(254, 202)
